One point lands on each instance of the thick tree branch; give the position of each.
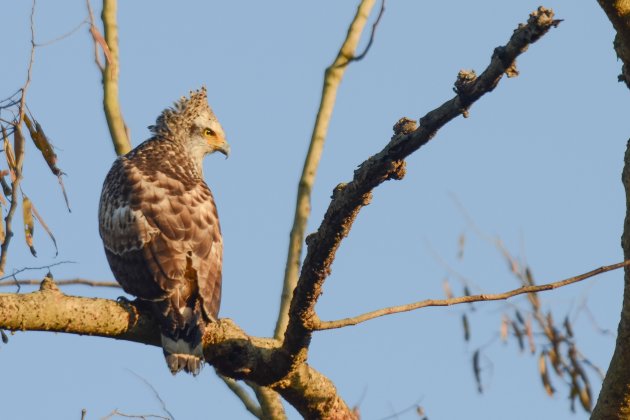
(327, 325)
(618, 12)
(348, 199)
(232, 352)
(614, 398)
(332, 78)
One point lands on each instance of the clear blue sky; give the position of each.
(538, 163)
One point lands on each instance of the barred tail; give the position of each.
(181, 355)
(182, 328)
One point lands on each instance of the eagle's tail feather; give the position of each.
(182, 324)
(180, 355)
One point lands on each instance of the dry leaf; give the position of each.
(567, 327)
(6, 189)
(529, 277)
(519, 336)
(544, 374)
(585, 399)
(45, 147)
(45, 226)
(27, 215)
(477, 370)
(18, 147)
(8, 152)
(530, 335)
(504, 328)
(447, 289)
(2, 232)
(98, 38)
(554, 358)
(466, 326)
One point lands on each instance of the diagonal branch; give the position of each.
(270, 402)
(332, 78)
(348, 199)
(327, 325)
(239, 391)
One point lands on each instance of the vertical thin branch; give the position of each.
(30, 68)
(17, 169)
(111, 104)
(332, 79)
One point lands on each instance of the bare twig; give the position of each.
(332, 78)
(63, 36)
(326, 325)
(246, 399)
(30, 68)
(68, 282)
(42, 267)
(116, 413)
(97, 38)
(415, 406)
(369, 44)
(155, 393)
(348, 199)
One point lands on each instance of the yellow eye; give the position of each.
(209, 133)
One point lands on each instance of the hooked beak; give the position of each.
(225, 149)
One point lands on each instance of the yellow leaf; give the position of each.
(27, 215)
(544, 374)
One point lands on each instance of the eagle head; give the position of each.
(191, 122)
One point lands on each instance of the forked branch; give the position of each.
(332, 78)
(348, 199)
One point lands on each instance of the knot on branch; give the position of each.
(404, 126)
(539, 22)
(48, 285)
(338, 189)
(464, 86)
(465, 82)
(310, 237)
(543, 17)
(397, 170)
(508, 63)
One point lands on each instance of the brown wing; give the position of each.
(160, 234)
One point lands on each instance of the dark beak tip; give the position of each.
(226, 151)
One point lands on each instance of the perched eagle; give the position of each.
(160, 227)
